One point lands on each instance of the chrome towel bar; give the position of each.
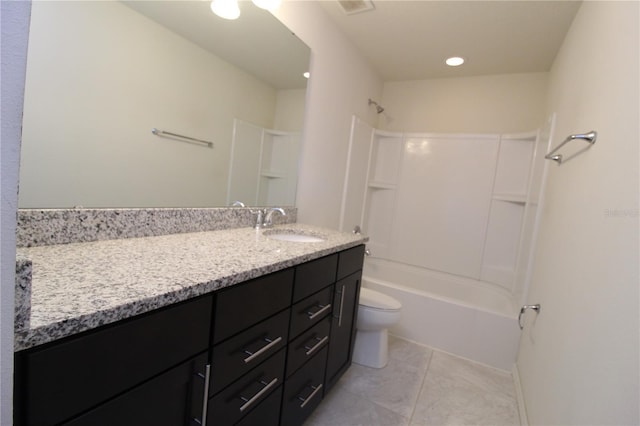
(161, 133)
(589, 137)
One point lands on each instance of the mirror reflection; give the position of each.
(102, 75)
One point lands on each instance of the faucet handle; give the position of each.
(260, 217)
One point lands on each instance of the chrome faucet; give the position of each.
(268, 219)
(264, 217)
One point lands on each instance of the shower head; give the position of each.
(379, 108)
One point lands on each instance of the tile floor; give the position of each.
(420, 387)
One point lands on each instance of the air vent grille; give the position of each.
(355, 6)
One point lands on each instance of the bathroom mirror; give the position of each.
(102, 75)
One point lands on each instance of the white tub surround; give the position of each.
(79, 286)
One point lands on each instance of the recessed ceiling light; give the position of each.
(454, 61)
(227, 9)
(306, 74)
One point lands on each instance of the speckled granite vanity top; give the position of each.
(80, 286)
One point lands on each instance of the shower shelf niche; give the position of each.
(264, 167)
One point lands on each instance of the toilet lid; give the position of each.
(375, 299)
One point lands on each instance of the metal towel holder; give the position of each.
(176, 136)
(535, 308)
(589, 137)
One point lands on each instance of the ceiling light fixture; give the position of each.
(306, 74)
(267, 4)
(227, 9)
(454, 61)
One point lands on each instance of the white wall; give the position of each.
(15, 29)
(92, 100)
(341, 83)
(290, 106)
(508, 103)
(578, 361)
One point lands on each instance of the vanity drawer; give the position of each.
(314, 275)
(309, 311)
(303, 391)
(248, 392)
(350, 261)
(267, 413)
(307, 345)
(239, 354)
(68, 377)
(246, 304)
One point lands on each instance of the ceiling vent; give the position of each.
(355, 6)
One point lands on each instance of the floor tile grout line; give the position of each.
(374, 403)
(424, 379)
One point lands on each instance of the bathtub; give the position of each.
(465, 317)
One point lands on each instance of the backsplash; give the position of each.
(63, 226)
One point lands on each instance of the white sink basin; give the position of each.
(293, 236)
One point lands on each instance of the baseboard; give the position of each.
(522, 408)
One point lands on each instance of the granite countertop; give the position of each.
(80, 286)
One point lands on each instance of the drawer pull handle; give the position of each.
(248, 402)
(306, 400)
(205, 397)
(269, 345)
(316, 346)
(322, 310)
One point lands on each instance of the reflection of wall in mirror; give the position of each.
(90, 106)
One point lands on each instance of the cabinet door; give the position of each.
(343, 327)
(172, 399)
(61, 380)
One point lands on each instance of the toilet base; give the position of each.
(371, 348)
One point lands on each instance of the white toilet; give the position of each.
(376, 313)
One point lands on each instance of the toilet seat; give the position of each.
(378, 301)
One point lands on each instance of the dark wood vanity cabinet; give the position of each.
(107, 372)
(272, 347)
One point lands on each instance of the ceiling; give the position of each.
(256, 42)
(409, 40)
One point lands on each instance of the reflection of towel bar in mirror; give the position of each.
(162, 133)
(589, 137)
